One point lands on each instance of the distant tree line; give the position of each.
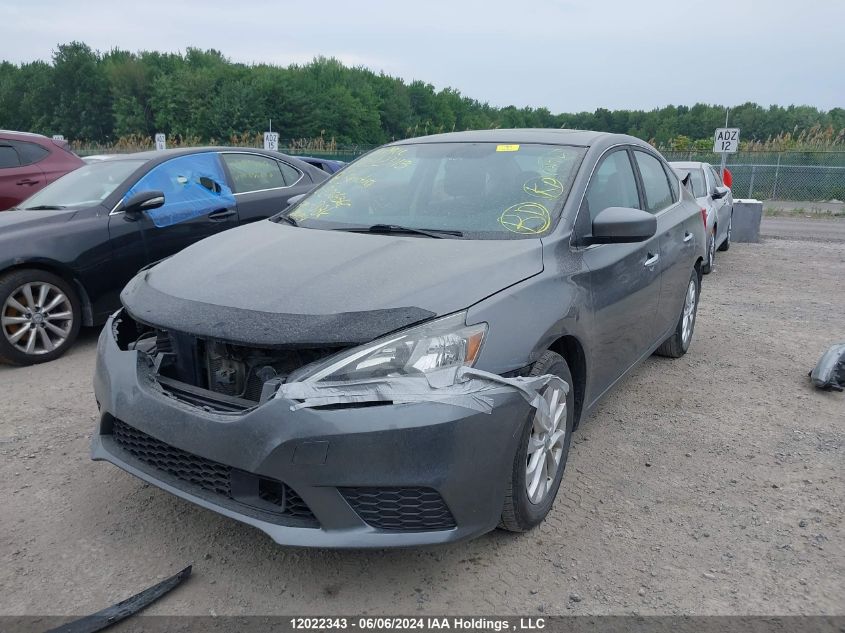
(100, 97)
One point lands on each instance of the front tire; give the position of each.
(678, 344)
(39, 317)
(542, 452)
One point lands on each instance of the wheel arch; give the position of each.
(572, 351)
(60, 271)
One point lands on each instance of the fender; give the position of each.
(516, 317)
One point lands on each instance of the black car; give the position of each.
(401, 357)
(67, 251)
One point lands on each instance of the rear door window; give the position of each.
(674, 182)
(658, 195)
(251, 172)
(8, 157)
(290, 174)
(30, 153)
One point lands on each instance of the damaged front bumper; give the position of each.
(368, 474)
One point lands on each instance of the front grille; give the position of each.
(401, 509)
(267, 496)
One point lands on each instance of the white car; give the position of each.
(715, 199)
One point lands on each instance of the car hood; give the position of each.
(274, 284)
(22, 219)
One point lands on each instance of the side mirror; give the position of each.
(719, 192)
(143, 201)
(294, 199)
(620, 225)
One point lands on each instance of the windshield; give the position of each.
(482, 190)
(85, 186)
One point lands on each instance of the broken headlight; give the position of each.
(441, 343)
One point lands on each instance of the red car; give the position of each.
(28, 162)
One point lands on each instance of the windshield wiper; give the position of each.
(45, 207)
(395, 228)
(288, 219)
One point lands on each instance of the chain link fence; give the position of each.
(791, 175)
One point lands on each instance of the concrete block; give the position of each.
(746, 220)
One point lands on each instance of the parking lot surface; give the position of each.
(821, 229)
(712, 484)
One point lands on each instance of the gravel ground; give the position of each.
(817, 229)
(803, 207)
(708, 485)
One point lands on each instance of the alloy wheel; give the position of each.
(36, 318)
(545, 445)
(689, 313)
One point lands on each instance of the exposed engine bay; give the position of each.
(213, 373)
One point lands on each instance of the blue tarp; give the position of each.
(193, 186)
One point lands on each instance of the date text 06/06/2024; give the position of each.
(417, 623)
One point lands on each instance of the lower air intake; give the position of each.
(400, 509)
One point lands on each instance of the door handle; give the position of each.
(221, 214)
(27, 181)
(687, 236)
(652, 259)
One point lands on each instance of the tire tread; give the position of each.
(511, 519)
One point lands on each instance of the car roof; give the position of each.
(23, 134)
(583, 138)
(687, 164)
(155, 157)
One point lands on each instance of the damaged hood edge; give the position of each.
(271, 285)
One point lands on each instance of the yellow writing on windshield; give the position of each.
(526, 217)
(544, 187)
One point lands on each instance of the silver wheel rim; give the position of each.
(730, 224)
(36, 318)
(545, 445)
(711, 252)
(689, 313)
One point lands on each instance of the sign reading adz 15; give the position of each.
(271, 141)
(726, 140)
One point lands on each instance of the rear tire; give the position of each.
(39, 316)
(677, 345)
(520, 512)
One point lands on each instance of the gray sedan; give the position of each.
(717, 202)
(401, 357)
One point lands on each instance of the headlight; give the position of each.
(441, 343)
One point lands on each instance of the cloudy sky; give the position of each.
(566, 55)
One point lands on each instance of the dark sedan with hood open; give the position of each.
(401, 356)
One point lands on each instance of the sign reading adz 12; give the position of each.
(726, 140)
